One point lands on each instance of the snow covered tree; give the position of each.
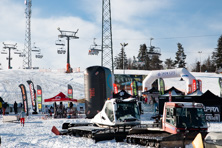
(180, 57)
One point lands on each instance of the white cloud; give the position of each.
(130, 11)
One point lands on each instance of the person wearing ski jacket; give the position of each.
(22, 118)
(4, 106)
(15, 107)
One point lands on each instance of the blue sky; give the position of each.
(197, 25)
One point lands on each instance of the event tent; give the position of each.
(151, 91)
(61, 97)
(212, 103)
(177, 92)
(195, 93)
(1, 100)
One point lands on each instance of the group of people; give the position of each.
(152, 101)
(21, 115)
(3, 106)
(60, 111)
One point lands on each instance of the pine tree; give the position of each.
(197, 68)
(208, 65)
(143, 58)
(155, 62)
(217, 56)
(169, 63)
(180, 57)
(135, 64)
(118, 61)
(130, 63)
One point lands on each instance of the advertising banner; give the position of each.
(24, 98)
(212, 113)
(70, 91)
(194, 85)
(161, 86)
(124, 81)
(220, 84)
(32, 94)
(39, 97)
(134, 88)
(115, 88)
(200, 84)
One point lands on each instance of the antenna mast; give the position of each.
(107, 45)
(27, 59)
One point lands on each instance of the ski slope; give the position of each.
(52, 82)
(55, 81)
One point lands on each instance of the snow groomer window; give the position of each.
(169, 116)
(109, 111)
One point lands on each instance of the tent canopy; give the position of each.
(1, 100)
(151, 91)
(173, 88)
(178, 92)
(196, 93)
(173, 93)
(61, 97)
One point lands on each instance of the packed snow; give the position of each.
(37, 129)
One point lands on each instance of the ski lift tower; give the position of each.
(9, 47)
(154, 50)
(27, 59)
(107, 45)
(68, 35)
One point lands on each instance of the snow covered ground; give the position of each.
(37, 131)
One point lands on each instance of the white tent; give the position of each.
(196, 93)
(173, 94)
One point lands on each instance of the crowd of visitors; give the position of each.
(60, 111)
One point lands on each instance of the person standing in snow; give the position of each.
(15, 107)
(4, 106)
(46, 110)
(0, 107)
(55, 109)
(22, 118)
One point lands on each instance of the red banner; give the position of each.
(194, 85)
(115, 88)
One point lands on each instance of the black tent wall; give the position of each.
(98, 88)
(208, 99)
